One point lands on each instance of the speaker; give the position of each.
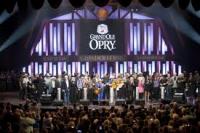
(179, 98)
(140, 102)
(164, 101)
(46, 99)
(104, 102)
(84, 102)
(95, 102)
(129, 101)
(58, 103)
(120, 101)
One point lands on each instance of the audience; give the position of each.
(168, 118)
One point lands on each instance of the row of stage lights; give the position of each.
(37, 4)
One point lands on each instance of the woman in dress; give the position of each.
(141, 81)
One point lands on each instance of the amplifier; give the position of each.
(103, 102)
(84, 102)
(179, 97)
(140, 102)
(178, 94)
(46, 99)
(58, 102)
(120, 101)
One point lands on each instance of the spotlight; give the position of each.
(101, 3)
(77, 3)
(146, 3)
(37, 4)
(22, 5)
(124, 3)
(55, 3)
(196, 4)
(183, 4)
(10, 4)
(102, 14)
(166, 3)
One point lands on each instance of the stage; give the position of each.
(13, 98)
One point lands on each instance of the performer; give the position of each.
(126, 79)
(65, 89)
(29, 88)
(131, 88)
(181, 80)
(179, 93)
(73, 90)
(57, 90)
(99, 86)
(169, 90)
(79, 84)
(48, 83)
(174, 82)
(163, 85)
(40, 85)
(86, 83)
(52, 85)
(24, 84)
(156, 86)
(106, 82)
(121, 89)
(148, 88)
(141, 81)
(113, 87)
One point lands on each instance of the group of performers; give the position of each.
(129, 87)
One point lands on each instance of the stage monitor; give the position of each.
(101, 37)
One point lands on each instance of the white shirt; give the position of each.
(67, 83)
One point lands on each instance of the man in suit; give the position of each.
(73, 90)
(106, 80)
(24, 85)
(79, 83)
(65, 88)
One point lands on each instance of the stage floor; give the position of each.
(13, 98)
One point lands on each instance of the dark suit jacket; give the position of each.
(64, 85)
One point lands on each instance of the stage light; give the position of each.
(101, 3)
(124, 3)
(37, 4)
(183, 4)
(102, 14)
(55, 3)
(146, 3)
(196, 4)
(10, 4)
(166, 3)
(22, 5)
(19, 32)
(77, 3)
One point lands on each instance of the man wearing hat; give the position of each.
(48, 82)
